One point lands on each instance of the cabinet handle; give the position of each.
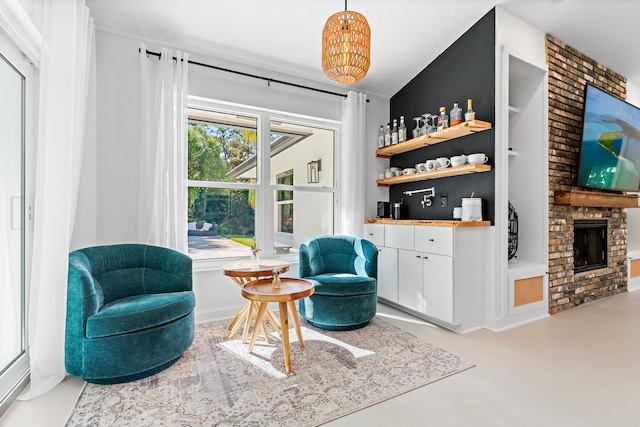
(425, 257)
(418, 256)
(431, 240)
(370, 234)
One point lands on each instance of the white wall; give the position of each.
(633, 215)
(116, 192)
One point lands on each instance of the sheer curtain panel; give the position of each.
(163, 203)
(352, 164)
(66, 79)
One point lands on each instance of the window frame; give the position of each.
(265, 191)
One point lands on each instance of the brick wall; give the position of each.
(569, 72)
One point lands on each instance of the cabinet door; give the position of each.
(388, 273)
(374, 233)
(410, 289)
(438, 286)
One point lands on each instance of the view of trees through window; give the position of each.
(228, 194)
(213, 152)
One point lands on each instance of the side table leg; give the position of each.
(235, 325)
(296, 322)
(247, 322)
(263, 307)
(284, 322)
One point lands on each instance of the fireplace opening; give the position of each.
(589, 245)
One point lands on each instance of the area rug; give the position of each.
(217, 383)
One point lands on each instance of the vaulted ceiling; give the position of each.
(285, 35)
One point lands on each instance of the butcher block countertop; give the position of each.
(429, 222)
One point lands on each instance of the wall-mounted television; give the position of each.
(610, 149)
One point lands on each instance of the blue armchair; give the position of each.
(344, 270)
(129, 311)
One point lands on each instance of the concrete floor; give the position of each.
(576, 368)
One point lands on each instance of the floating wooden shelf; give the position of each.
(463, 129)
(595, 199)
(441, 173)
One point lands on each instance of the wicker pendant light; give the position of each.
(346, 41)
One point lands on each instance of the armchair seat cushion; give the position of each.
(342, 284)
(139, 312)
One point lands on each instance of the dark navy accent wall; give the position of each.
(464, 70)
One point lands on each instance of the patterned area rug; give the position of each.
(216, 383)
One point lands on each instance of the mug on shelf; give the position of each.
(380, 175)
(458, 160)
(409, 171)
(421, 167)
(388, 174)
(442, 162)
(478, 158)
(431, 165)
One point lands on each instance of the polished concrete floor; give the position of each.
(576, 368)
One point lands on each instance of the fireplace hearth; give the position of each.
(589, 245)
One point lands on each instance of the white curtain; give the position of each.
(67, 76)
(352, 164)
(163, 198)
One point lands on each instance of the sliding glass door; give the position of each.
(13, 348)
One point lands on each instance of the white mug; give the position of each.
(431, 165)
(478, 158)
(457, 212)
(421, 167)
(409, 171)
(388, 174)
(442, 162)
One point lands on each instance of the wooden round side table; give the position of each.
(242, 272)
(290, 290)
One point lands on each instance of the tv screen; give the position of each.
(610, 151)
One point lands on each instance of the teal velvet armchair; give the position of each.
(129, 311)
(344, 270)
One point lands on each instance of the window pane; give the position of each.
(221, 222)
(305, 151)
(222, 147)
(312, 215)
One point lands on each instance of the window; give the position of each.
(285, 203)
(244, 167)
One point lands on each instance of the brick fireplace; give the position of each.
(569, 72)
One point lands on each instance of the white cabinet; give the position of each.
(410, 279)
(398, 236)
(437, 273)
(426, 284)
(388, 273)
(374, 233)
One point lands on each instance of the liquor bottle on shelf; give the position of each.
(456, 115)
(402, 130)
(394, 132)
(387, 136)
(443, 119)
(470, 114)
(381, 137)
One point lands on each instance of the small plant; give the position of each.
(276, 271)
(254, 248)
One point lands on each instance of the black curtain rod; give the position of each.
(267, 79)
